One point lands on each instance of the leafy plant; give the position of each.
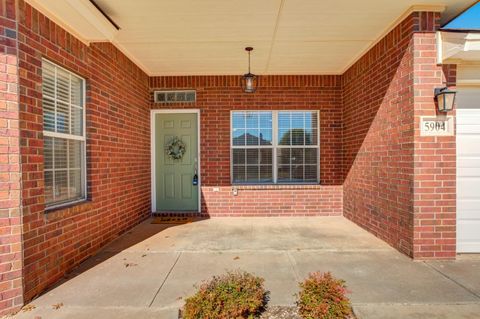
(323, 297)
(235, 295)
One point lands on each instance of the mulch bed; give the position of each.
(274, 312)
(285, 312)
(280, 312)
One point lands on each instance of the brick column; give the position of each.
(435, 157)
(11, 285)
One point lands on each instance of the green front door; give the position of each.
(175, 190)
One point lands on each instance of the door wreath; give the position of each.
(175, 148)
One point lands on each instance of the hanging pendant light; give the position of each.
(249, 80)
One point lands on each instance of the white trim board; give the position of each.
(152, 153)
(79, 17)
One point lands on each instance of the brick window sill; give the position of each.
(277, 186)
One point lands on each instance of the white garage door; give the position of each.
(468, 170)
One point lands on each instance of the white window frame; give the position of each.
(81, 138)
(274, 148)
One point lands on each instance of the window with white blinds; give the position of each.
(275, 147)
(64, 135)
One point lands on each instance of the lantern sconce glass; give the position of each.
(445, 99)
(249, 80)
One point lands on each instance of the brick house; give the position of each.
(337, 129)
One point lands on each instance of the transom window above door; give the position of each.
(274, 147)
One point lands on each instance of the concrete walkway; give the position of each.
(148, 272)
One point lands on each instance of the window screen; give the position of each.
(297, 154)
(275, 146)
(64, 135)
(252, 147)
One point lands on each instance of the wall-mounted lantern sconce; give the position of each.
(445, 99)
(249, 80)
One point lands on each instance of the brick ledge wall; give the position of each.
(316, 200)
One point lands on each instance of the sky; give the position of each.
(470, 19)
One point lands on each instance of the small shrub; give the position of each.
(323, 297)
(234, 295)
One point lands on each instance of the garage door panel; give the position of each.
(468, 146)
(464, 246)
(468, 169)
(470, 209)
(468, 188)
(469, 116)
(468, 172)
(468, 162)
(469, 129)
(468, 120)
(468, 229)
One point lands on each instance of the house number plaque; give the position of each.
(436, 126)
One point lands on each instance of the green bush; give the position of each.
(233, 295)
(323, 297)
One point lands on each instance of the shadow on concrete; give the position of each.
(121, 243)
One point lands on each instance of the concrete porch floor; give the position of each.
(148, 272)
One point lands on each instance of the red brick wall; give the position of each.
(11, 292)
(378, 139)
(435, 157)
(218, 95)
(398, 185)
(118, 150)
(273, 201)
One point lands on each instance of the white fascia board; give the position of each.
(439, 44)
(90, 13)
(79, 17)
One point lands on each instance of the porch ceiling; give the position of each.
(191, 37)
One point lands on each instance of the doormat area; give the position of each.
(173, 220)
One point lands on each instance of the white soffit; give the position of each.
(192, 37)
